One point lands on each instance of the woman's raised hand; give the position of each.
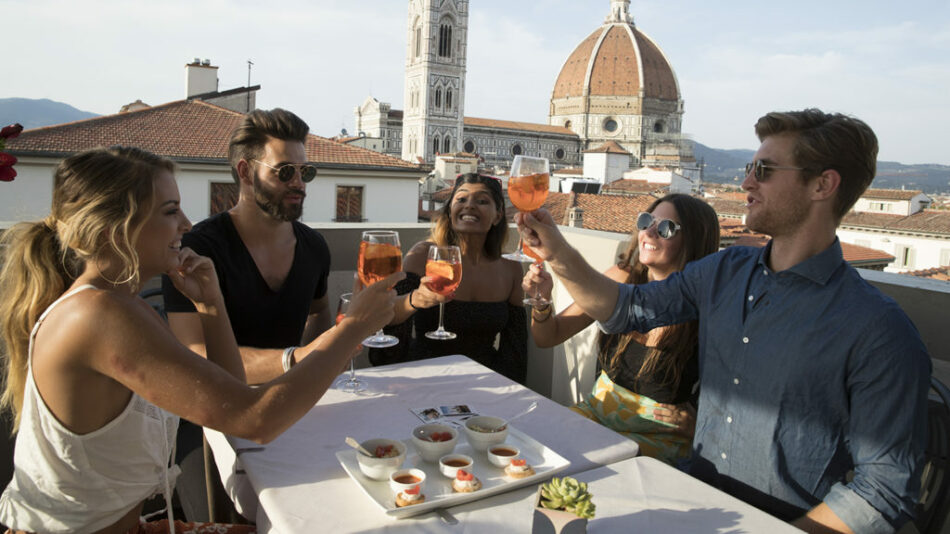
(537, 282)
(195, 277)
(423, 297)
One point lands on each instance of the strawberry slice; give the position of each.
(464, 475)
(519, 463)
(412, 491)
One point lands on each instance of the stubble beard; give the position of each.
(271, 202)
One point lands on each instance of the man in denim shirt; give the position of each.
(806, 371)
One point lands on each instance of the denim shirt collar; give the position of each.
(818, 268)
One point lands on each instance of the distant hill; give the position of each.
(728, 166)
(33, 113)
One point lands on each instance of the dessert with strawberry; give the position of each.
(519, 468)
(465, 482)
(410, 496)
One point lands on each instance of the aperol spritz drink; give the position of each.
(379, 257)
(527, 188)
(444, 273)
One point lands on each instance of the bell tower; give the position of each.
(434, 89)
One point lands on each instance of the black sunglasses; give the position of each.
(761, 170)
(665, 228)
(286, 172)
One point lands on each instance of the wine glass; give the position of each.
(527, 189)
(348, 383)
(444, 271)
(537, 299)
(379, 257)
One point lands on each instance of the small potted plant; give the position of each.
(563, 507)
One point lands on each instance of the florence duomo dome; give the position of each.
(618, 86)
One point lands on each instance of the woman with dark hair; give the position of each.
(486, 310)
(646, 382)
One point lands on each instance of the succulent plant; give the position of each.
(569, 495)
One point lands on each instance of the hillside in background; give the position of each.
(721, 166)
(33, 113)
(728, 166)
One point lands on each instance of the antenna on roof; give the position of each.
(248, 104)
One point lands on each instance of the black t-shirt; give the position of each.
(260, 317)
(633, 358)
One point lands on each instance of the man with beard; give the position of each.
(807, 372)
(272, 269)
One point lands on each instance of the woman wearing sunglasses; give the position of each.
(646, 382)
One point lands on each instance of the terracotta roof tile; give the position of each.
(854, 254)
(610, 147)
(935, 273)
(891, 194)
(182, 130)
(926, 221)
(574, 171)
(627, 186)
(607, 213)
(513, 125)
(723, 207)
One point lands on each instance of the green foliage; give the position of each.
(569, 495)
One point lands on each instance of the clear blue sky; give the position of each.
(885, 62)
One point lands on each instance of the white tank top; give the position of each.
(67, 482)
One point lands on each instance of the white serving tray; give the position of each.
(438, 487)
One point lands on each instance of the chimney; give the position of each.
(200, 77)
(575, 217)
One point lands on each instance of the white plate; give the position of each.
(438, 488)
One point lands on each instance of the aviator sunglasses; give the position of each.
(761, 170)
(286, 172)
(665, 228)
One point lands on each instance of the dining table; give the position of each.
(296, 483)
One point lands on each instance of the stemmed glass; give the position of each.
(537, 299)
(380, 256)
(348, 383)
(444, 271)
(527, 189)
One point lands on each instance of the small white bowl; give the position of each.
(429, 450)
(406, 479)
(501, 455)
(380, 468)
(481, 441)
(448, 467)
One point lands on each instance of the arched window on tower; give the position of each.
(417, 41)
(447, 145)
(438, 98)
(448, 99)
(659, 127)
(435, 145)
(445, 41)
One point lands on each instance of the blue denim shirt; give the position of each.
(805, 374)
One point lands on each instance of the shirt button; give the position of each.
(745, 340)
(735, 381)
(751, 298)
(765, 272)
(729, 419)
(723, 456)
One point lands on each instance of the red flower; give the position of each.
(9, 132)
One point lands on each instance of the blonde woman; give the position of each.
(93, 374)
(646, 381)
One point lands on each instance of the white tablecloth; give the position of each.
(636, 495)
(301, 486)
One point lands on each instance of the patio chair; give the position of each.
(933, 509)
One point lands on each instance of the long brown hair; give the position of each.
(677, 344)
(442, 232)
(100, 201)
